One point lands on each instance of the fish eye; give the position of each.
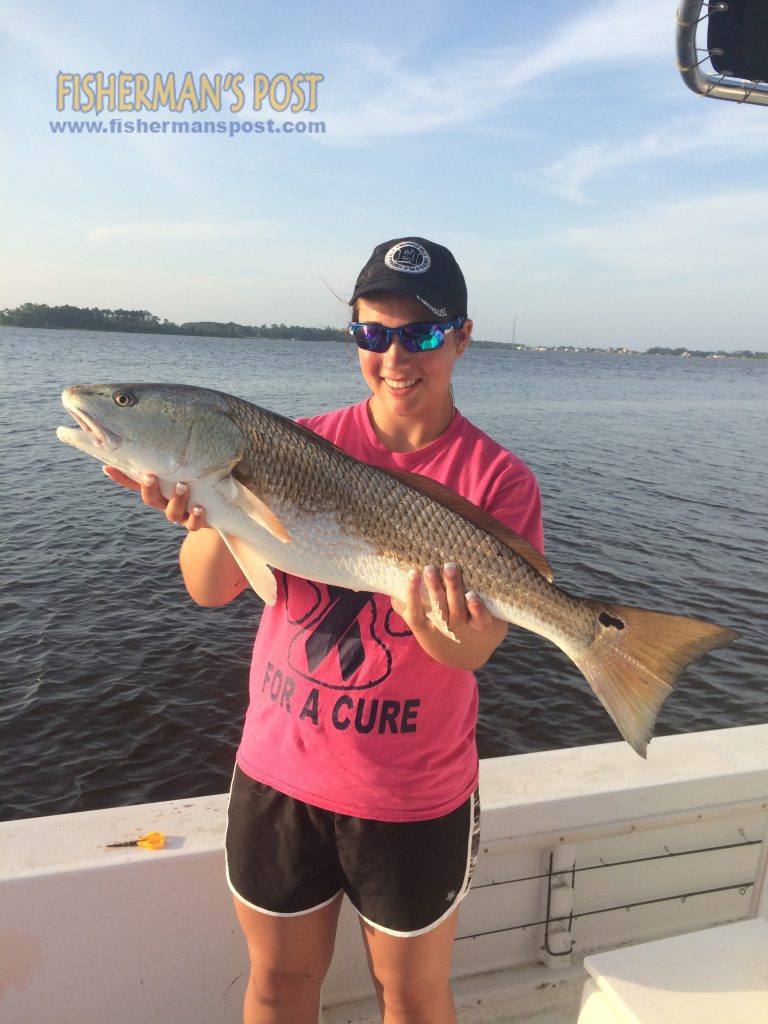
(125, 399)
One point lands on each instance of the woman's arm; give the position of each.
(478, 632)
(211, 575)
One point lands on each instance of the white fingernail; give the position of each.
(147, 479)
(412, 575)
(196, 510)
(471, 595)
(181, 488)
(450, 569)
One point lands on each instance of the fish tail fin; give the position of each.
(635, 659)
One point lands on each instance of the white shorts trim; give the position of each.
(274, 913)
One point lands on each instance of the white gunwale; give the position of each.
(90, 934)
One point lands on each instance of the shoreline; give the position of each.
(337, 337)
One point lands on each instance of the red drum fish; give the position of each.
(284, 498)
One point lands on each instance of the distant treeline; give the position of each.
(743, 353)
(140, 321)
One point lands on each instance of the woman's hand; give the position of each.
(477, 631)
(175, 507)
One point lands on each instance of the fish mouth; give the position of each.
(92, 431)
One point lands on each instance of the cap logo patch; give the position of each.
(408, 258)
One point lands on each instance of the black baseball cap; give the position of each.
(420, 269)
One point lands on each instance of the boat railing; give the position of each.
(591, 848)
(733, 63)
(582, 850)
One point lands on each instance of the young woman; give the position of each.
(357, 771)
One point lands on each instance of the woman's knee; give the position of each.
(419, 1003)
(275, 987)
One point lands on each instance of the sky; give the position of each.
(589, 196)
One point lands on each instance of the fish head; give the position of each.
(177, 432)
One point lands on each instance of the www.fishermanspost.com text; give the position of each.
(230, 128)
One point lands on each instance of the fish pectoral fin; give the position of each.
(255, 569)
(258, 510)
(437, 619)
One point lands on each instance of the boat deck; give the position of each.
(582, 850)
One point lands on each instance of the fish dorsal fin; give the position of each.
(478, 517)
(255, 569)
(258, 510)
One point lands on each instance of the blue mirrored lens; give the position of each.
(371, 337)
(422, 339)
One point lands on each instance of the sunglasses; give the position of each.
(413, 337)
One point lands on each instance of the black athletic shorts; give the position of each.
(286, 857)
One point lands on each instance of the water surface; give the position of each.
(116, 689)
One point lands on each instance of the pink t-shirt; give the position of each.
(347, 712)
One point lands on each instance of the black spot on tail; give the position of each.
(608, 620)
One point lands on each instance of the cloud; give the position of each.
(571, 175)
(173, 231)
(24, 34)
(464, 87)
(721, 236)
(719, 133)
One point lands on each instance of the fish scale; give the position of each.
(284, 498)
(384, 512)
